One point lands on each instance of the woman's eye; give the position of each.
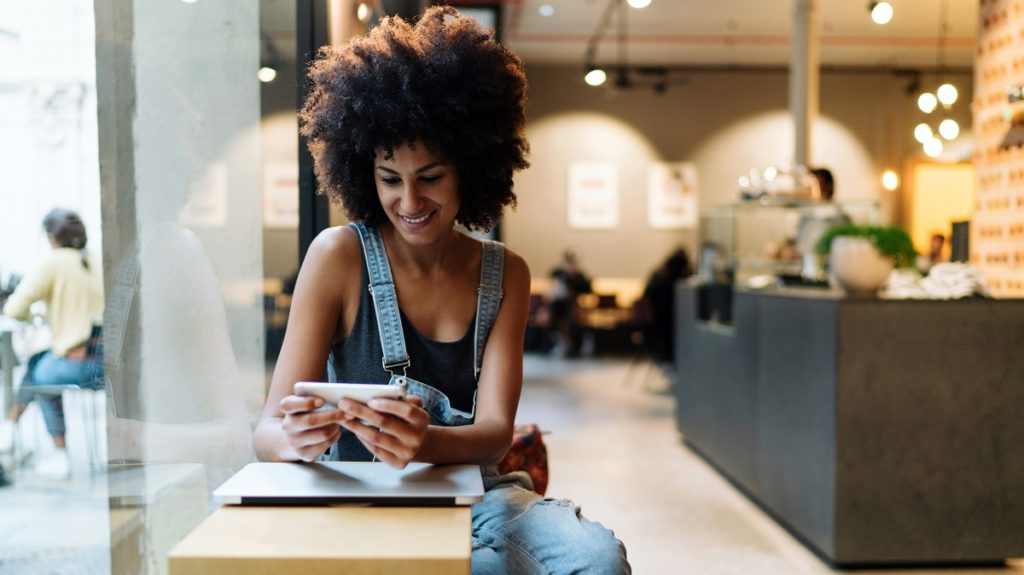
(391, 181)
(430, 179)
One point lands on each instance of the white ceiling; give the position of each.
(742, 33)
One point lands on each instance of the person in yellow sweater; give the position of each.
(69, 280)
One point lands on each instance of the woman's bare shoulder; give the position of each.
(337, 245)
(516, 268)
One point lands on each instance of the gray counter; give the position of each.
(879, 432)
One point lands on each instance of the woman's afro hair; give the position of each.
(443, 81)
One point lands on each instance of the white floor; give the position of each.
(613, 448)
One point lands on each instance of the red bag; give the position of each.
(528, 453)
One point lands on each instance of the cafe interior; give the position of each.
(777, 266)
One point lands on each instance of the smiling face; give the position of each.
(419, 191)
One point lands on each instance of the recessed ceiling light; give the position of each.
(546, 10)
(639, 3)
(881, 12)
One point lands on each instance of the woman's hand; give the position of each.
(309, 433)
(392, 430)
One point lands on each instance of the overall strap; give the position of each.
(385, 300)
(489, 300)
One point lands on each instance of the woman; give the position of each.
(70, 281)
(412, 129)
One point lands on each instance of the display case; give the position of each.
(747, 239)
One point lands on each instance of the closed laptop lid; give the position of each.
(339, 482)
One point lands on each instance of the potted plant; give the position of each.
(861, 257)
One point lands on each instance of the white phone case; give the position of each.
(361, 392)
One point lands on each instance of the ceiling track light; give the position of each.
(595, 76)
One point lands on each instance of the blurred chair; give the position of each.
(80, 406)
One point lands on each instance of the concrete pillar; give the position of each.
(179, 123)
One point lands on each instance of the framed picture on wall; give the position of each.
(672, 195)
(593, 196)
(281, 195)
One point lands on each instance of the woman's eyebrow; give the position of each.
(419, 170)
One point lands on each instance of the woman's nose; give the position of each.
(411, 199)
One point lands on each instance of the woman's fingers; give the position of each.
(378, 410)
(310, 432)
(311, 444)
(300, 403)
(401, 446)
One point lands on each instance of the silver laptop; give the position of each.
(348, 482)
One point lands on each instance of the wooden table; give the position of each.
(327, 540)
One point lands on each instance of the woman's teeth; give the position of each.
(418, 220)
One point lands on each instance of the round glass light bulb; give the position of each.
(744, 182)
(639, 3)
(769, 173)
(363, 12)
(881, 12)
(890, 180)
(933, 148)
(546, 10)
(595, 77)
(923, 133)
(266, 74)
(949, 129)
(927, 102)
(947, 94)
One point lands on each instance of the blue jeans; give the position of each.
(44, 369)
(516, 531)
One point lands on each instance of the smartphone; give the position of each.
(361, 392)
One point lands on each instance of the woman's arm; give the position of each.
(501, 381)
(287, 430)
(399, 431)
(34, 287)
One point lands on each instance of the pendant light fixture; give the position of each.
(938, 127)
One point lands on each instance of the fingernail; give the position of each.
(318, 402)
(376, 403)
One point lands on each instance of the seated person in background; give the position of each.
(925, 262)
(569, 282)
(815, 221)
(412, 128)
(660, 295)
(69, 280)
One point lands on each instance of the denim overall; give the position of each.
(514, 530)
(389, 324)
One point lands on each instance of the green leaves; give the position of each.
(888, 240)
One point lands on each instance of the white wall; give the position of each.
(724, 123)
